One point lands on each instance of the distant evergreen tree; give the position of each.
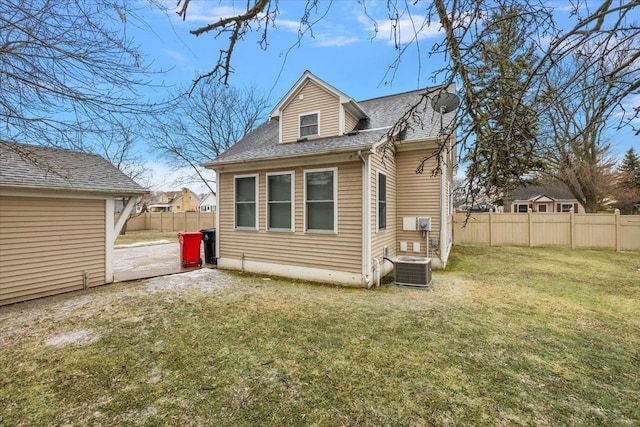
(630, 169)
(626, 192)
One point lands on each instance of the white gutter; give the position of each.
(375, 129)
(296, 156)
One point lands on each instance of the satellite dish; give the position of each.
(445, 102)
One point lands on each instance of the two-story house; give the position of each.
(175, 201)
(208, 202)
(327, 188)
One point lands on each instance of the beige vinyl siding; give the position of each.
(350, 122)
(418, 195)
(341, 251)
(380, 239)
(46, 244)
(314, 99)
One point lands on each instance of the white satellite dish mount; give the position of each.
(444, 102)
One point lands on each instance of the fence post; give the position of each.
(618, 229)
(572, 229)
(490, 228)
(530, 214)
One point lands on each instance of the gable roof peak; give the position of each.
(349, 103)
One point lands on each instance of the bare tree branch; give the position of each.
(68, 70)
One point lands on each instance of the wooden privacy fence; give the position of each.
(172, 221)
(576, 231)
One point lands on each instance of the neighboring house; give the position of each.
(175, 201)
(57, 222)
(142, 205)
(544, 199)
(208, 203)
(313, 194)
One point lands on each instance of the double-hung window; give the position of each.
(382, 201)
(567, 207)
(321, 200)
(309, 125)
(246, 201)
(280, 201)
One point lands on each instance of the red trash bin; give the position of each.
(190, 248)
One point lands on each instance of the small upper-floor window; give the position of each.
(309, 125)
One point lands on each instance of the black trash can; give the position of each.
(209, 240)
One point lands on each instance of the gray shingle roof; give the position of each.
(556, 190)
(262, 143)
(37, 167)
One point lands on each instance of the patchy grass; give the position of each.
(508, 336)
(146, 236)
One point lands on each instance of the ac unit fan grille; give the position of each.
(413, 273)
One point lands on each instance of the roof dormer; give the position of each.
(314, 109)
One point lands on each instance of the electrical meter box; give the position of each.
(424, 223)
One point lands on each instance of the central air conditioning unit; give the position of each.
(412, 271)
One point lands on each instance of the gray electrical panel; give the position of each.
(424, 223)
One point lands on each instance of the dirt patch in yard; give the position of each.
(33, 319)
(75, 336)
(205, 280)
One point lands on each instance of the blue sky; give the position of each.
(345, 51)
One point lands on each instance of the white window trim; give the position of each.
(293, 199)
(562, 206)
(299, 124)
(335, 200)
(378, 173)
(235, 225)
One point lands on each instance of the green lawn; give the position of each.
(507, 336)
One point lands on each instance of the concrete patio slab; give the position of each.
(145, 260)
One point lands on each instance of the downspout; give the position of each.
(444, 202)
(376, 271)
(366, 220)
